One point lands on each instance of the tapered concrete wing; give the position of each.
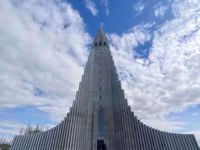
(100, 117)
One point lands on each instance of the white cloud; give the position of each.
(160, 10)
(138, 8)
(106, 3)
(89, 4)
(168, 81)
(8, 128)
(43, 47)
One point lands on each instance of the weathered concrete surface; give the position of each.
(100, 89)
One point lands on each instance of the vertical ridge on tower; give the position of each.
(100, 118)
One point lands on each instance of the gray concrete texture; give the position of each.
(100, 88)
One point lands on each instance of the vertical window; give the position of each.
(100, 43)
(101, 124)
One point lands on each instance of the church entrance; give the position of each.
(100, 140)
(101, 145)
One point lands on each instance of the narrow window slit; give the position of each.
(100, 43)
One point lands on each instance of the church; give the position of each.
(100, 117)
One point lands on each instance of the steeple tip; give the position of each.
(101, 27)
(100, 36)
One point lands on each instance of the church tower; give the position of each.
(100, 118)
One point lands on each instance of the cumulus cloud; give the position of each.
(44, 47)
(168, 81)
(89, 4)
(138, 8)
(42, 53)
(160, 10)
(106, 3)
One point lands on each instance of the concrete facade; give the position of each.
(100, 117)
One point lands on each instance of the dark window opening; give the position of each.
(100, 97)
(101, 145)
(104, 43)
(100, 88)
(100, 43)
(95, 44)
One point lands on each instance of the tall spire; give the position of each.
(100, 38)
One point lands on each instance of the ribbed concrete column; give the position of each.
(135, 140)
(43, 141)
(37, 141)
(168, 141)
(19, 143)
(194, 143)
(122, 119)
(67, 129)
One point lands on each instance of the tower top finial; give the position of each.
(100, 36)
(101, 25)
(101, 28)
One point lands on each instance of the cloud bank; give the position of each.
(44, 47)
(43, 50)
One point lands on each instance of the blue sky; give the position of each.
(44, 46)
